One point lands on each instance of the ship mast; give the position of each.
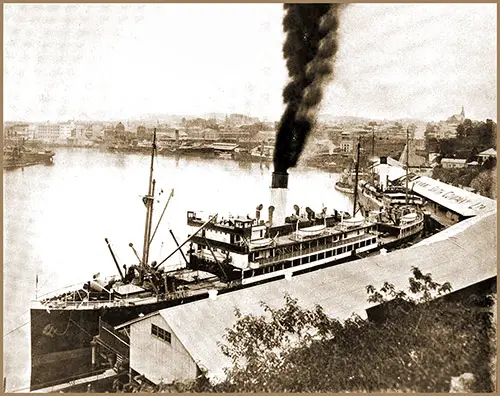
(148, 201)
(407, 161)
(356, 180)
(373, 154)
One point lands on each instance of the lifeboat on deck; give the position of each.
(260, 243)
(311, 231)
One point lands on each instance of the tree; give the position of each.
(420, 343)
(448, 147)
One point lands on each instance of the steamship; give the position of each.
(222, 255)
(17, 156)
(346, 182)
(396, 210)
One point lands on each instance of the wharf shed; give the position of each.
(486, 154)
(451, 202)
(453, 163)
(463, 254)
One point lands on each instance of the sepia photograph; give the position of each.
(249, 197)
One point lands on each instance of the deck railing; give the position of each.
(113, 340)
(314, 249)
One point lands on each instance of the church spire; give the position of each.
(463, 112)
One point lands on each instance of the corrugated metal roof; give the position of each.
(456, 199)
(464, 254)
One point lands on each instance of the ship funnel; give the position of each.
(271, 211)
(280, 180)
(383, 172)
(257, 211)
(279, 188)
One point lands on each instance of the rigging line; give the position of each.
(17, 328)
(24, 324)
(46, 280)
(162, 213)
(81, 328)
(62, 288)
(67, 326)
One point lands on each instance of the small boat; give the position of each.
(19, 156)
(259, 243)
(225, 155)
(262, 152)
(310, 231)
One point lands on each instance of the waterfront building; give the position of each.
(48, 132)
(453, 163)
(210, 134)
(450, 204)
(18, 131)
(491, 153)
(65, 130)
(346, 142)
(119, 128)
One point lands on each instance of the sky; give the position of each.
(122, 61)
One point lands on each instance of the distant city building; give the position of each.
(119, 128)
(441, 130)
(109, 132)
(457, 118)
(97, 130)
(346, 143)
(18, 131)
(65, 130)
(445, 129)
(210, 134)
(142, 132)
(48, 132)
(267, 136)
(236, 120)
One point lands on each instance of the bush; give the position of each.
(419, 346)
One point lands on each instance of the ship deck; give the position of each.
(283, 240)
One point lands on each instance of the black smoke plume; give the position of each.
(309, 49)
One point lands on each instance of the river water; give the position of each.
(56, 218)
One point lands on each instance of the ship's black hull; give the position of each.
(60, 338)
(29, 159)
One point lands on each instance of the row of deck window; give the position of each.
(307, 259)
(306, 245)
(410, 230)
